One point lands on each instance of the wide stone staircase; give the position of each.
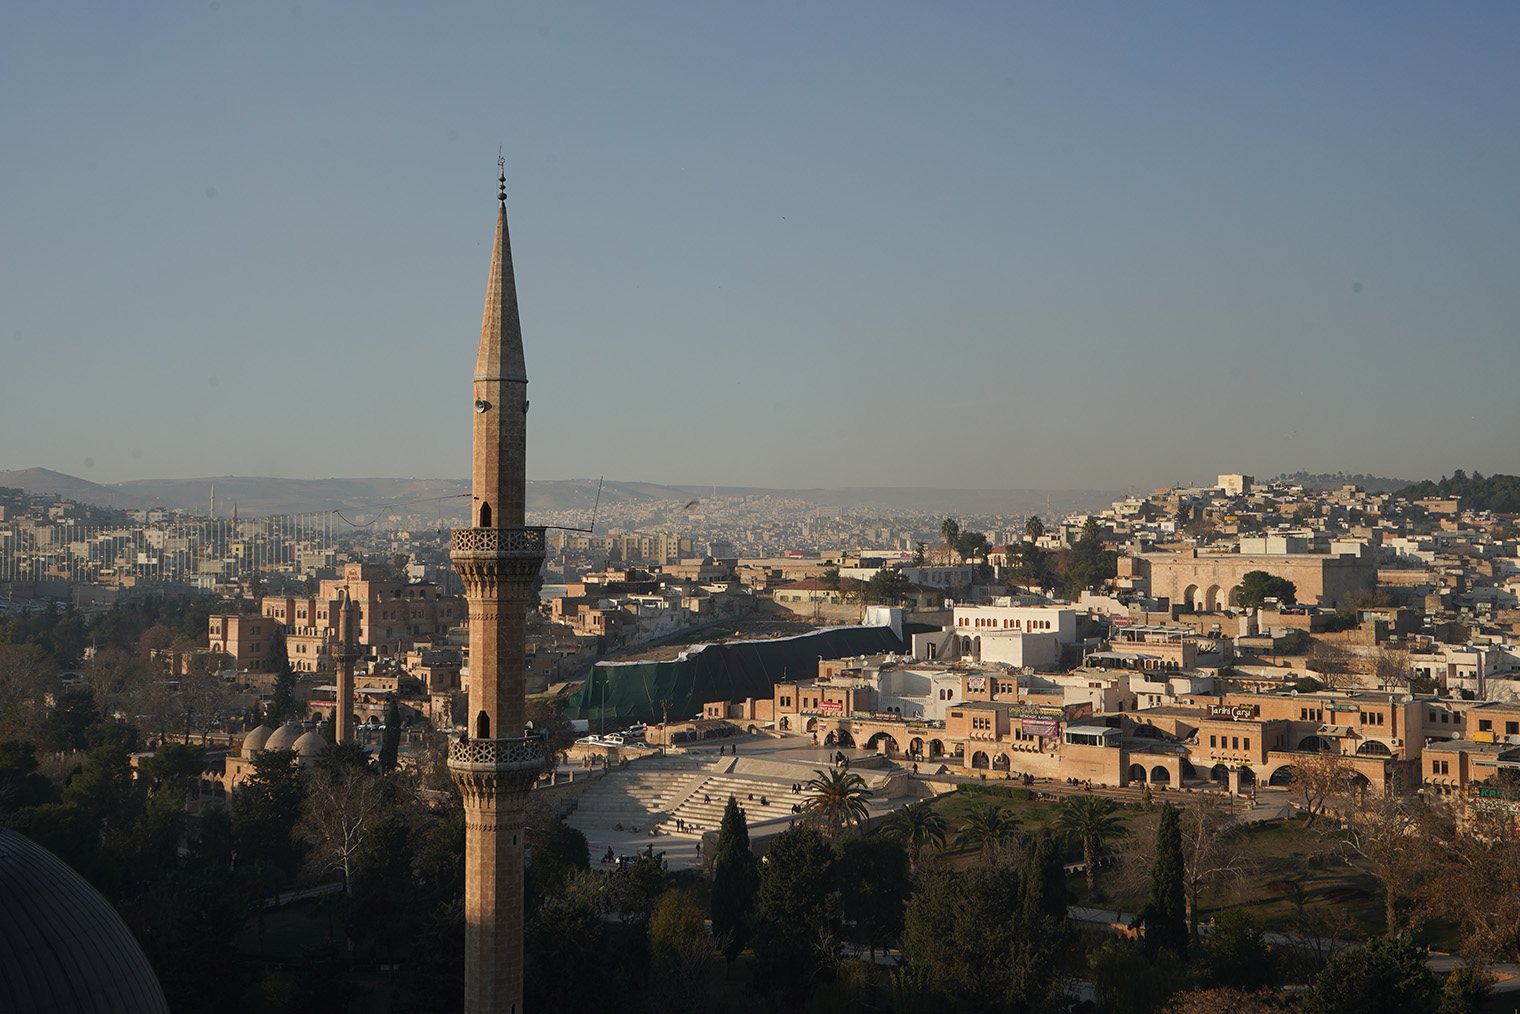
(640, 797)
(702, 809)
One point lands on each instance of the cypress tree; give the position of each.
(1043, 884)
(390, 740)
(734, 882)
(1165, 912)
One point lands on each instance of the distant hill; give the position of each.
(261, 495)
(70, 487)
(256, 496)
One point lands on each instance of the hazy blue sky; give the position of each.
(976, 245)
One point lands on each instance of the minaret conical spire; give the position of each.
(501, 391)
(501, 346)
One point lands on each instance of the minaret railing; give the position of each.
(499, 540)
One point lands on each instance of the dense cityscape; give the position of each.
(1273, 673)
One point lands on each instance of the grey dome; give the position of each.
(310, 745)
(284, 738)
(255, 740)
(63, 948)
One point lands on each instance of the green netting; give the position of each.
(622, 692)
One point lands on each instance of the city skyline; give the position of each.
(1011, 248)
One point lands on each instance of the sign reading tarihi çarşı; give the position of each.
(1234, 712)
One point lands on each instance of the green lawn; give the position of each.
(1293, 873)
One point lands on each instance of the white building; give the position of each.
(1014, 635)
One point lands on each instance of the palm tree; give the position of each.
(986, 828)
(951, 530)
(1034, 527)
(916, 826)
(836, 800)
(1090, 820)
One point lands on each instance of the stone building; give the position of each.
(1210, 581)
(393, 616)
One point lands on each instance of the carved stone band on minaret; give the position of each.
(485, 767)
(487, 557)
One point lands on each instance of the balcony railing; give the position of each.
(526, 752)
(498, 540)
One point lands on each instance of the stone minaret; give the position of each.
(345, 654)
(497, 761)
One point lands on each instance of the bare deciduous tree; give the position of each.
(1391, 668)
(25, 671)
(1215, 850)
(343, 803)
(1316, 778)
(1384, 837)
(1475, 878)
(1332, 665)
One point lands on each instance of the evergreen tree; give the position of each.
(390, 740)
(1165, 911)
(795, 911)
(1384, 975)
(1238, 956)
(1044, 885)
(265, 809)
(20, 783)
(733, 888)
(963, 940)
(1467, 989)
(874, 884)
(283, 704)
(1256, 586)
(679, 948)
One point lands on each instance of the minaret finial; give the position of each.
(501, 183)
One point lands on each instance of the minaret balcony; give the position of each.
(525, 754)
(493, 560)
(499, 541)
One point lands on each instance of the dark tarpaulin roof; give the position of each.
(733, 671)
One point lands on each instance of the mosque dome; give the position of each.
(255, 740)
(62, 945)
(284, 737)
(311, 745)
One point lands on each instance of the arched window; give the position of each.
(482, 726)
(485, 515)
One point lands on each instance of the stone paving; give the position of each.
(632, 808)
